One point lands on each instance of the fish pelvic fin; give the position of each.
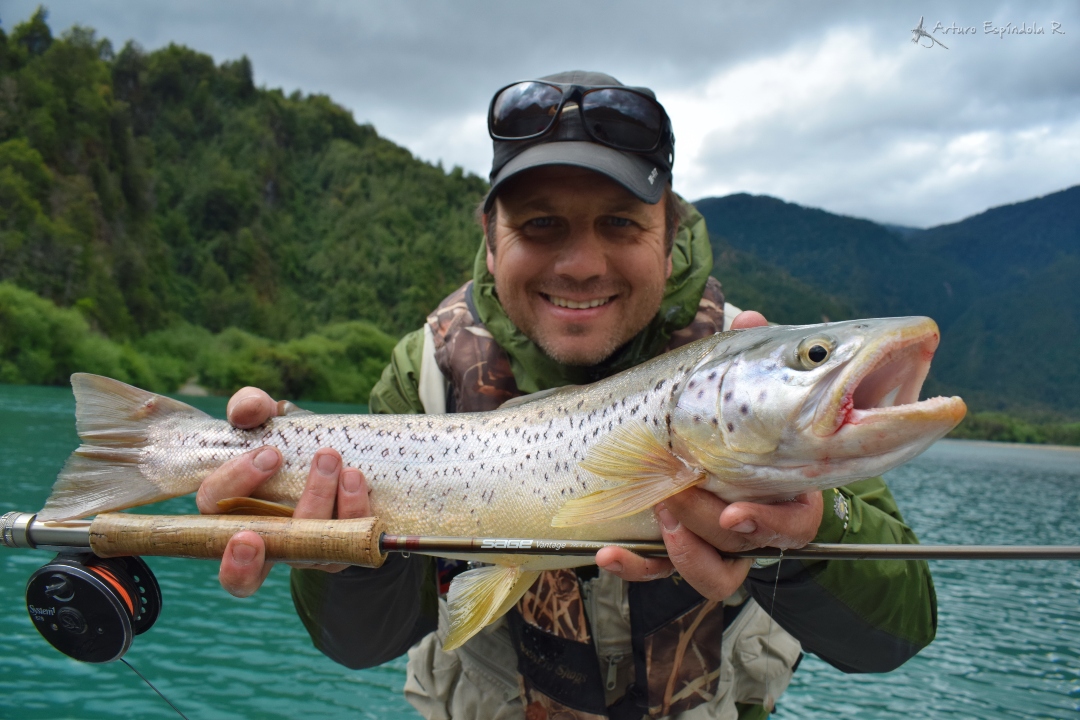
(254, 506)
(642, 472)
(481, 596)
(113, 420)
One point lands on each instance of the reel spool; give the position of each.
(91, 608)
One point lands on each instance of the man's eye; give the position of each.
(618, 222)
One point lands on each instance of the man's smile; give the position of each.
(577, 304)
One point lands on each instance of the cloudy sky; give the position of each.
(826, 104)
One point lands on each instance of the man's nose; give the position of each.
(583, 256)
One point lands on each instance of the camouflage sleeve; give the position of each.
(362, 617)
(859, 616)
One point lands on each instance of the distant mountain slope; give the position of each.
(873, 269)
(1004, 286)
(1009, 244)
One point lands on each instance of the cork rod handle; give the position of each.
(351, 541)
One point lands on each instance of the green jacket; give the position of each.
(865, 616)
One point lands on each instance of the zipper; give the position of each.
(613, 671)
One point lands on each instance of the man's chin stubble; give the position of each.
(576, 356)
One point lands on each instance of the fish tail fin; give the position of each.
(113, 420)
(481, 596)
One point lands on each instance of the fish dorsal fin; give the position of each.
(253, 506)
(538, 395)
(642, 472)
(481, 596)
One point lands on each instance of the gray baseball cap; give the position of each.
(646, 175)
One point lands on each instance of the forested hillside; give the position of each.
(1003, 286)
(157, 192)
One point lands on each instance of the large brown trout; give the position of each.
(761, 414)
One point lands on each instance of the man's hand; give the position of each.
(244, 566)
(696, 524)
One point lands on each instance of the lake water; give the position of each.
(1008, 643)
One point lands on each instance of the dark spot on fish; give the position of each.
(731, 427)
(727, 396)
(712, 375)
(691, 384)
(701, 394)
(761, 396)
(660, 384)
(744, 409)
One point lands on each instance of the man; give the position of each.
(590, 264)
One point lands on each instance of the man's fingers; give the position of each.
(699, 510)
(237, 478)
(632, 567)
(352, 495)
(250, 407)
(789, 524)
(712, 575)
(748, 319)
(321, 491)
(243, 566)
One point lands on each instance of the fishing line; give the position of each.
(124, 660)
(768, 637)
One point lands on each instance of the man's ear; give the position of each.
(484, 220)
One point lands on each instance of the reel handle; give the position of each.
(351, 541)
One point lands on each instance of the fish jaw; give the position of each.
(879, 388)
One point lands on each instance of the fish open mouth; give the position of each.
(883, 382)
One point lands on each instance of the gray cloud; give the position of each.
(825, 105)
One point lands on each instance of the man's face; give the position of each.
(579, 262)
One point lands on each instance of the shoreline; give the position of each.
(1000, 443)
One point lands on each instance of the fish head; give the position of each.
(776, 411)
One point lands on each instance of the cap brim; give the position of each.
(639, 175)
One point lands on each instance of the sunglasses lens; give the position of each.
(623, 119)
(524, 110)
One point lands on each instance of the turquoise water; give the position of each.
(1008, 641)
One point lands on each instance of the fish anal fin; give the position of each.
(641, 469)
(481, 596)
(253, 506)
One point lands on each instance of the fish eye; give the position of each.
(813, 352)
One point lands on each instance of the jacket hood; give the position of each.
(691, 263)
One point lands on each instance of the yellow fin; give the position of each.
(479, 597)
(253, 506)
(643, 471)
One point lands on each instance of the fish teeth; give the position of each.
(575, 305)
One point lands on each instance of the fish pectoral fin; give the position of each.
(253, 506)
(643, 472)
(481, 596)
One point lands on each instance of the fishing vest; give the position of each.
(675, 632)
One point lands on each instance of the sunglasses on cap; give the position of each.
(612, 115)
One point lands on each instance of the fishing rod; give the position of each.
(97, 594)
(365, 542)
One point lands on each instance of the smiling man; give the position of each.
(590, 264)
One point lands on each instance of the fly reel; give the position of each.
(91, 608)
